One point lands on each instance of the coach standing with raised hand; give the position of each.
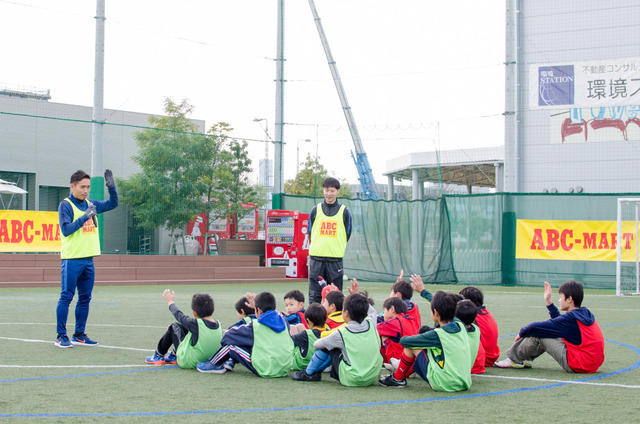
(329, 232)
(80, 242)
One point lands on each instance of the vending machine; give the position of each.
(287, 242)
(248, 224)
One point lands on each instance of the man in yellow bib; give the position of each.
(329, 232)
(80, 242)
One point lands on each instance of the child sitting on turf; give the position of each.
(353, 351)
(403, 290)
(244, 312)
(294, 311)
(466, 311)
(263, 345)
(193, 339)
(303, 350)
(332, 303)
(574, 339)
(488, 331)
(396, 325)
(442, 356)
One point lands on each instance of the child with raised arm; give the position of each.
(574, 339)
(193, 339)
(404, 290)
(303, 349)
(263, 345)
(396, 325)
(442, 356)
(244, 312)
(488, 330)
(353, 351)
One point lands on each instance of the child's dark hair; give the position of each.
(243, 308)
(398, 305)
(474, 294)
(445, 304)
(296, 295)
(266, 301)
(79, 175)
(357, 306)
(335, 298)
(574, 290)
(316, 314)
(202, 305)
(466, 311)
(331, 182)
(404, 288)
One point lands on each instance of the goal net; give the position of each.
(627, 254)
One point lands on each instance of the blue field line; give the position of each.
(313, 407)
(84, 375)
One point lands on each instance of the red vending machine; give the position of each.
(287, 242)
(248, 224)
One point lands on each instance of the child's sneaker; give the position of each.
(210, 368)
(63, 341)
(389, 381)
(508, 363)
(83, 339)
(303, 376)
(171, 358)
(156, 359)
(229, 364)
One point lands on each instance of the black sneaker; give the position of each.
(389, 381)
(303, 376)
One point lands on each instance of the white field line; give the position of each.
(89, 325)
(84, 347)
(78, 366)
(544, 380)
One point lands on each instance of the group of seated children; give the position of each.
(346, 337)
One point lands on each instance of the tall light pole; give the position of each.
(267, 170)
(277, 163)
(308, 140)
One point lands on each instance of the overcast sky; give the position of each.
(406, 65)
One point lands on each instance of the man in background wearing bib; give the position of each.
(329, 232)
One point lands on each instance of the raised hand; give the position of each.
(108, 179)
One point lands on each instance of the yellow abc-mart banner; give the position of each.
(574, 240)
(29, 231)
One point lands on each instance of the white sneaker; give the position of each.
(395, 363)
(508, 363)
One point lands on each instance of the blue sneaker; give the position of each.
(211, 368)
(229, 364)
(156, 359)
(83, 339)
(171, 359)
(63, 341)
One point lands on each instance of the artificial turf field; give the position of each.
(42, 383)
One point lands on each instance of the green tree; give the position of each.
(308, 182)
(234, 184)
(168, 190)
(185, 173)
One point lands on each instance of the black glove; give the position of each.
(91, 210)
(108, 179)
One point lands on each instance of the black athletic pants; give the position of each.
(332, 273)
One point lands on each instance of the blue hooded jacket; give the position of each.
(243, 334)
